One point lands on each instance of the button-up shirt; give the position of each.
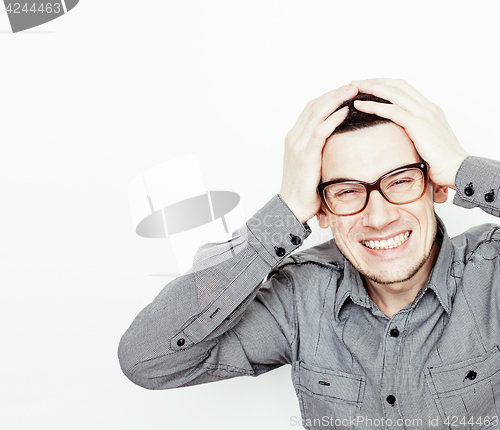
(434, 364)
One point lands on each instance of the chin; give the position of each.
(395, 276)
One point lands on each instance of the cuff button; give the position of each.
(296, 240)
(471, 375)
(490, 196)
(181, 341)
(469, 190)
(280, 252)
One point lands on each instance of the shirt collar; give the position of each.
(352, 285)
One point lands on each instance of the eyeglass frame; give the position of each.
(375, 186)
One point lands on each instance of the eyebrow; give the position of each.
(358, 180)
(343, 180)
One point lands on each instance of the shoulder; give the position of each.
(314, 263)
(476, 254)
(484, 236)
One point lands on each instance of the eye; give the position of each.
(401, 181)
(346, 193)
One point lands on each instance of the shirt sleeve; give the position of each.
(209, 323)
(478, 185)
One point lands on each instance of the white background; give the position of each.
(94, 98)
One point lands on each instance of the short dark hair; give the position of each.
(357, 120)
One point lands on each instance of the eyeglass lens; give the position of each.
(400, 187)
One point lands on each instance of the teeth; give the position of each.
(393, 242)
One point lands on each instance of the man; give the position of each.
(391, 324)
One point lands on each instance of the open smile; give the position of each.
(392, 242)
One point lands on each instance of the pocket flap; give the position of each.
(331, 383)
(453, 377)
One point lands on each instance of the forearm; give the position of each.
(181, 334)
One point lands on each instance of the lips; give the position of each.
(392, 242)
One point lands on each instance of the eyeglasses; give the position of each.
(400, 186)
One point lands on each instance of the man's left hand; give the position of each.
(423, 121)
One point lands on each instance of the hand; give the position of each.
(303, 150)
(423, 121)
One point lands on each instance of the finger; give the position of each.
(321, 107)
(325, 106)
(396, 83)
(414, 103)
(318, 110)
(384, 89)
(324, 130)
(390, 111)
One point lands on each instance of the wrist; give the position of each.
(295, 209)
(455, 166)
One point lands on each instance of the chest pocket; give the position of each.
(469, 389)
(328, 394)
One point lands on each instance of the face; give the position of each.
(365, 155)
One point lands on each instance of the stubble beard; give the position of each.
(398, 275)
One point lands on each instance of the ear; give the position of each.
(440, 193)
(322, 218)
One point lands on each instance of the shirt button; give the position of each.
(391, 399)
(489, 197)
(296, 240)
(394, 332)
(469, 190)
(471, 375)
(181, 341)
(280, 252)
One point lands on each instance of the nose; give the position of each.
(379, 212)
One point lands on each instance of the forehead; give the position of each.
(368, 153)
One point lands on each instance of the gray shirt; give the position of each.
(434, 364)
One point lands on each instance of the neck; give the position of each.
(391, 298)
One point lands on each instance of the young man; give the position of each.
(392, 323)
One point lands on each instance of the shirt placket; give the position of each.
(389, 383)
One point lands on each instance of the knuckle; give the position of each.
(310, 104)
(318, 133)
(313, 112)
(399, 91)
(290, 138)
(434, 111)
(437, 109)
(293, 145)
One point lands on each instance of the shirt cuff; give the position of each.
(274, 231)
(268, 237)
(478, 185)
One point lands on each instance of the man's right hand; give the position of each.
(303, 150)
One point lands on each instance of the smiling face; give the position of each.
(388, 244)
